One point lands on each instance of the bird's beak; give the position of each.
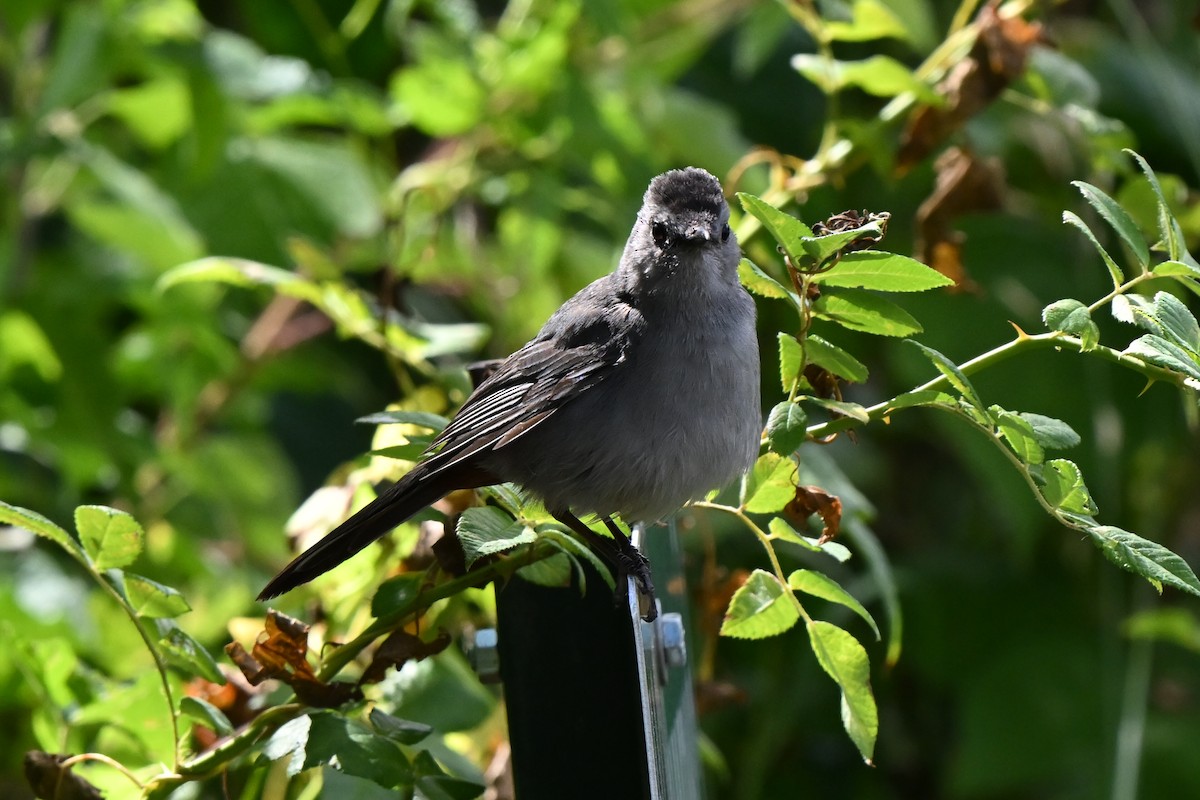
(696, 233)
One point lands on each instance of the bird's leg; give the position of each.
(621, 554)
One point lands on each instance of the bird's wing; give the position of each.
(578, 348)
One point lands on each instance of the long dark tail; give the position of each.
(409, 495)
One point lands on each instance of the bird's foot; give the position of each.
(632, 564)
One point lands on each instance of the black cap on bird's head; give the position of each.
(686, 205)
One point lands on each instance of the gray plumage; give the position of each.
(639, 394)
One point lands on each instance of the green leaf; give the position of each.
(1051, 433)
(1114, 270)
(761, 607)
(780, 529)
(1172, 269)
(845, 660)
(1176, 625)
(350, 747)
(553, 571)
(791, 360)
(424, 419)
(846, 409)
(396, 594)
(487, 530)
(922, 397)
(1177, 322)
(952, 373)
(770, 485)
(152, 599)
(1142, 557)
(881, 76)
(821, 585)
(1168, 227)
(1073, 317)
(870, 19)
(1158, 351)
(577, 549)
(884, 272)
(185, 653)
(759, 282)
(111, 538)
(1064, 489)
(442, 96)
(206, 714)
(35, 522)
(834, 359)
(786, 427)
(1019, 434)
(860, 310)
(784, 228)
(398, 730)
(822, 249)
(242, 273)
(1119, 219)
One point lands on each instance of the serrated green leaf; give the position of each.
(770, 485)
(780, 529)
(818, 584)
(881, 76)
(206, 714)
(834, 359)
(820, 249)
(425, 419)
(487, 530)
(36, 523)
(111, 538)
(759, 282)
(786, 426)
(1019, 434)
(761, 607)
(152, 599)
(884, 272)
(791, 360)
(1143, 557)
(1168, 227)
(952, 373)
(1073, 317)
(844, 408)
(1114, 270)
(578, 549)
(1064, 489)
(923, 397)
(1172, 269)
(784, 228)
(1177, 322)
(1119, 219)
(352, 748)
(1158, 351)
(845, 660)
(860, 310)
(1051, 433)
(398, 730)
(185, 653)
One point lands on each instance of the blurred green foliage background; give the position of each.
(447, 173)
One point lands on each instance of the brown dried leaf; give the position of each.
(281, 653)
(964, 185)
(997, 58)
(815, 500)
(398, 648)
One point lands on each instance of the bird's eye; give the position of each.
(725, 233)
(660, 232)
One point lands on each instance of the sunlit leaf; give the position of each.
(152, 599)
(818, 584)
(1114, 270)
(1142, 557)
(111, 538)
(834, 359)
(1019, 434)
(35, 522)
(770, 485)
(759, 282)
(761, 607)
(207, 714)
(878, 75)
(845, 660)
(953, 374)
(885, 272)
(780, 529)
(791, 360)
(487, 530)
(1119, 219)
(784, 228)
(860, 310)
(1064, 489)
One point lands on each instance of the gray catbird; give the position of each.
(640, 393)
